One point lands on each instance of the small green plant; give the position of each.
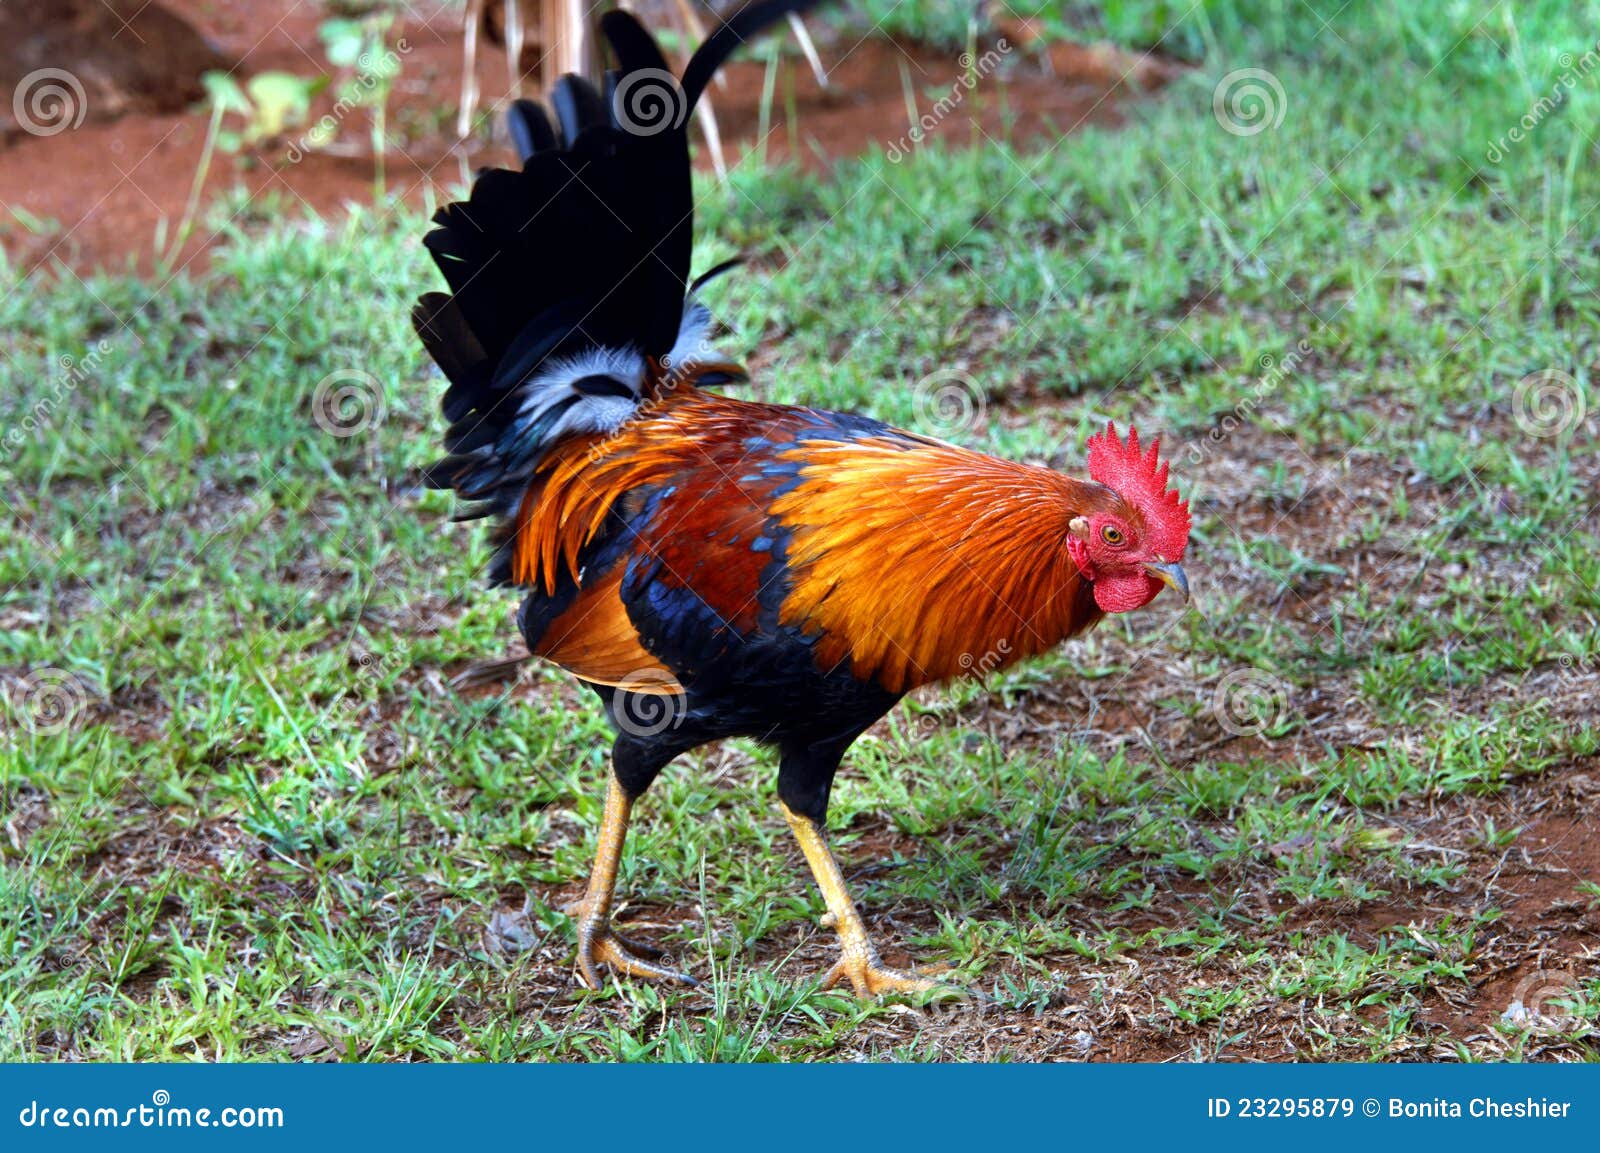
(360, 45)
(268, 102)
(1492, 836)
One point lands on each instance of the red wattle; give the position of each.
(1123, 594)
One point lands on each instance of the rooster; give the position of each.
(713, 567)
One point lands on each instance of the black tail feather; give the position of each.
(634, 48)
(715, 271)
(578, 108)
(748, 22)
(455, 349)
(569, 276)
(530, 129)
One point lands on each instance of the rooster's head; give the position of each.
(1131, 548)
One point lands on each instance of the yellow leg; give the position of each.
(598, 943)
(858, 960)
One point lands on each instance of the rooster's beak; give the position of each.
(1171, 575)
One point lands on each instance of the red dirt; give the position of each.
(157, 69)
(100, 194)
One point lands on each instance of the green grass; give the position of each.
(266, 830)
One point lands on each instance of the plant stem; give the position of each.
(201, 171)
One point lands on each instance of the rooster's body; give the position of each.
(714, 567)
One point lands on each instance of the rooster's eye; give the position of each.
(1111, 535)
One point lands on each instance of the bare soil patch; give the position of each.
(112, 183)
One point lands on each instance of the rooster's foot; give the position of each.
(600, 946)
(871, 978)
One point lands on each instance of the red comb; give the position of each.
(1140, 478)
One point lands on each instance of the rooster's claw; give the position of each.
(601, 946)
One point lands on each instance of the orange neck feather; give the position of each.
(920, 561)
